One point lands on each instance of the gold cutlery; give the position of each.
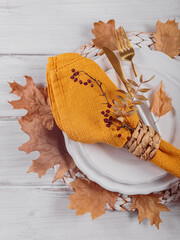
(127, 53)
(117, 66)
(124, 47)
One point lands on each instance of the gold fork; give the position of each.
(125, 48)
(127, 53)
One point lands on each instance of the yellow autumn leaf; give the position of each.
(90, 197)
(34, 100)
(148, 206)
(104, 34)
(161, 103)
(167, 37)
(51, 148)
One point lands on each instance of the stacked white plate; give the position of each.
(116, 169)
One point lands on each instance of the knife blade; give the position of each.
(115, 63)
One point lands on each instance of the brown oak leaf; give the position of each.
(34, 100)
(161, 103)
(50, 145)
(167, 37)
(104, 34)
(90, 197)
(148, 206)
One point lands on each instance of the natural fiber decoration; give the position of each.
(144, 142)
(138, 40)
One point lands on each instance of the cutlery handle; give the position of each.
(145, 119)
(134, 70)
(148, 105)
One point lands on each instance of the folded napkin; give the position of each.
(79, 108)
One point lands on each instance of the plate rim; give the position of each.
(115, 189)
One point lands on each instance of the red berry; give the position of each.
(92, 85)
(73, 70)
(106, 115)
(102, 112)
(106, 120)
(80, 81)
(110, 118)
(119, 135)
(107, 111)
(75, 80)
(72, 77)
(108, 125)
(128, 138)
(118, 128)
(89, 80)
(76, 73)
(85, 83)
(109, 105)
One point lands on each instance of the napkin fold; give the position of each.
(79, 109)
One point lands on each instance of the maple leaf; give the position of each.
(50, 145)
(148, 206)
(35, 101)
(90, 197)
(161, 103)
(167, 37)
(104, 34)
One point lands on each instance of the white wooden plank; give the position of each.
(33, 214)
(56, 26)
(14, 163)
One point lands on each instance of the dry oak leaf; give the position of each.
(50, 145)
(90, 197)
(34, 100)
(104, 34)
(161, 103)
(167, 37)
(148, 206)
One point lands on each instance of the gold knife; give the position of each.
(117, 66)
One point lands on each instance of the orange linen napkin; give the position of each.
(79, 109)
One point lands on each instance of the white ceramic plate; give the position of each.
(74, 149)
(117, 164)
(123, 166)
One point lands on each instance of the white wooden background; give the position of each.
(30, 31)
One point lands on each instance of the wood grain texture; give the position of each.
(30, 31)
(32, 26)
(40, 214)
